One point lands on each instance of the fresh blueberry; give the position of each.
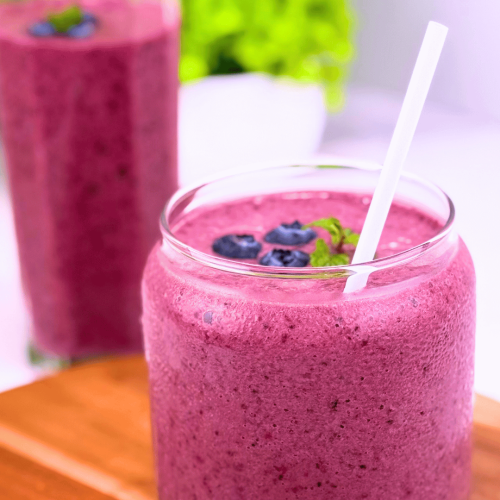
(42, 29)
(87, 16)
(290, 234)
(237, 246)
(285, 258)
(82, 30)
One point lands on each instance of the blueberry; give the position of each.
(290, 234)
(87, 16)
(42, 29)
(237, 246)
(82, 30)
(285, 258)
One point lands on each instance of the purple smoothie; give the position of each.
(266, 388)
(90, 136)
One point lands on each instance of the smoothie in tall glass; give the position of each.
(269, 382)
(89, 127)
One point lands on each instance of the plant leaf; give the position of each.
(63, 21)
(320, 256)
(311, 41)
(350, 238)
(332, 225)
(339, 259)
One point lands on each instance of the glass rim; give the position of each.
(250, 269)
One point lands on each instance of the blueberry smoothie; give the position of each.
(89, 126)
(271, 383)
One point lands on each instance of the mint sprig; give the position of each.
(321, 257)
(340, 236)
(350, 238)
(65, 20)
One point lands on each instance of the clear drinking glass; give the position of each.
(271, 383)
(89, 128)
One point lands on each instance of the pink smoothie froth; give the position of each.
(90, 135)
(289, 389)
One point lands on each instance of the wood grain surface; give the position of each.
(84, 434)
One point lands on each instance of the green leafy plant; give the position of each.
(307, 40)
(340, 236)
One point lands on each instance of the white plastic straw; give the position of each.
(398, 149)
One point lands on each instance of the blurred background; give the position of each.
(248, 97)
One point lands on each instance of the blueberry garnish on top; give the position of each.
(290, 234)
(87, 16)
(71, 22)
(42, 29)
(82, 30)
(285, 258)
(237, 246)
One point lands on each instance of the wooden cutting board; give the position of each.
(83, 434)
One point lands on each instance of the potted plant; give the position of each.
(256, 77)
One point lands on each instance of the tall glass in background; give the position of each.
(271, 383)
(89, 126)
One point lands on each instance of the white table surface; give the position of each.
(460, 153)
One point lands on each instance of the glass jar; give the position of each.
(272, 383)
(89, 127)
